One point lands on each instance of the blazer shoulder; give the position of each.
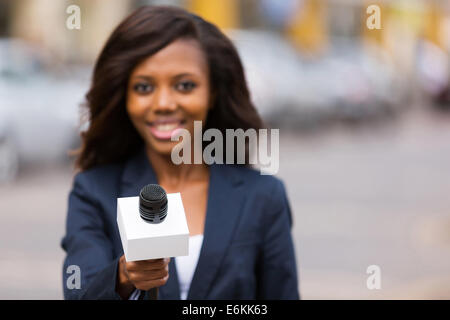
(268, 185)
(267, 188)
(103, 177)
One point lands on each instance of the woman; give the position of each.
(162, 69)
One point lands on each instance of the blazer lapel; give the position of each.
(225, 199)
(137, 173)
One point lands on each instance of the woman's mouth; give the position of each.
(164, 129)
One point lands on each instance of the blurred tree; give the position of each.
(251, 15)
(225, 14)
(307, 29)
(434, 23)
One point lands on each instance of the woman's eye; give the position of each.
(185, 86)
(142, 88)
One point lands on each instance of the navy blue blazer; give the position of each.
(247, 250)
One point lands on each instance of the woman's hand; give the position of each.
(143, 275)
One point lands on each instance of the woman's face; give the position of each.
(167, 91)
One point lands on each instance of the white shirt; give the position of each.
(185, 265)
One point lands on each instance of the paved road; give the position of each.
(373, 196)
(378, 196)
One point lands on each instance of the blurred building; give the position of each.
(310, 24)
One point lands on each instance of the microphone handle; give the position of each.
(152, 294)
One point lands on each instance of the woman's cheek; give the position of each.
(137, 106)
(136, 113)
(196, 107)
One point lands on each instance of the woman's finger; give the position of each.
(149, 284)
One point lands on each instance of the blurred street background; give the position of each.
(364, 119)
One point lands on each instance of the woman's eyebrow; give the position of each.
(143, 77)
(184, 74)
(180, 75)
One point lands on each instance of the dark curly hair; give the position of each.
(111, 137)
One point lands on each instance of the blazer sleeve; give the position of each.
(87, 246)
(277, 268)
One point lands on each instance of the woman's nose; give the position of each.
(164, 100)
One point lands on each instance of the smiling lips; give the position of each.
(164, 129)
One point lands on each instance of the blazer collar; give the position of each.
(225, 200)
(137, 173)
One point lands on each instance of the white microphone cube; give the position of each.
(142, 240)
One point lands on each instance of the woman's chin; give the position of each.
(162, 148)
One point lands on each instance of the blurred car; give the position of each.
(433, 72)
(443, 99)
(276, 79)
(288, 90)
(8, 151)
(39, 108)
(361, 81)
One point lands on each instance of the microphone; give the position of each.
(153, 203)
(152, 225)
(153, 208)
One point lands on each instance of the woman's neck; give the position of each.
(174, 177)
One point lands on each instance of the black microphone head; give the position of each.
(153, 203)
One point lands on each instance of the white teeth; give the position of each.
(166, 126)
